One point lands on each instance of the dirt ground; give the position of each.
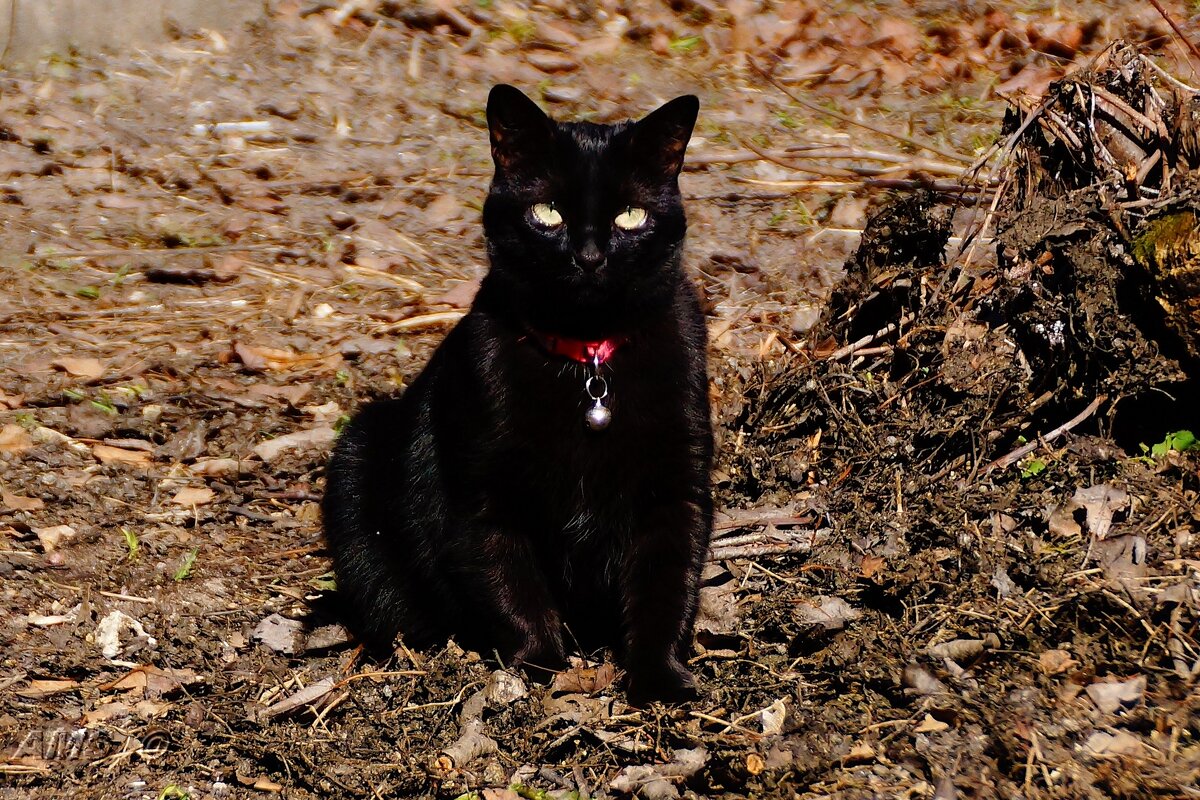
(189, 310)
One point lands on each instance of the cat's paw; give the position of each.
(670, 682)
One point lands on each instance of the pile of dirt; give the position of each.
(1009, 447)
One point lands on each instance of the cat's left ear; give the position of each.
(660, 138)
(521, 132)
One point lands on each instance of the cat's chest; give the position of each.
(582, 471)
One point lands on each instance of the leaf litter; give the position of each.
(899, 602)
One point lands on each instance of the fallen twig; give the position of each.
(152, 251)
(854, 347)
(1178, 32)
(1026, 449)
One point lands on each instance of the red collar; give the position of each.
(585, 352)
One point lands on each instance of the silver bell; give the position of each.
(598, 417)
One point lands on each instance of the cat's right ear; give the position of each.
(520, 131)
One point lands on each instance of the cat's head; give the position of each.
(584, 222)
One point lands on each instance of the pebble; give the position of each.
(563, 94)
(551, 61)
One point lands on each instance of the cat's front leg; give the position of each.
(660, 597)
(528, 627)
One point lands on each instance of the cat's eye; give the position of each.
(546, 215)
(631, 219)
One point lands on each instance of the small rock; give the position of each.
(341, 220)
(562, 94)
(551, 61)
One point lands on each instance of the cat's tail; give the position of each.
(370, 579)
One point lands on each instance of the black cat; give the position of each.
(550, 466)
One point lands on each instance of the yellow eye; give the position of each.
(631, 219)
(546, 215)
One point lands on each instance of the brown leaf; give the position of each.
(293, 394)
(14, 439)
(217, 467)
(90, 368)
(54, 535)
(313, 438)
(260, 359)
(105, 712)
(11, 400)
(931, 725)
(47, 687)
(193, 496)
(152, 681)
(1054, 662)
(107, 454)
(20, 503)
(585, 680)
(871, 565)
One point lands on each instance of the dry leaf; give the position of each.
(871, 565)
(293, 393)
(1112, 696)
(51, 537)
(772, 718)
(14, 439)
(315, 437)
(194, 496)
(584, 680)
(1055, 662)
(19, 503)
(90, 368)
(107, 635)
(279, 633)
(47, 687)
(832, 614)
(1121, 743)
(107, 454)
(11, 400)
(217, 467)
(718, 611)
(931, 725)
(860, 752)
(152, 681)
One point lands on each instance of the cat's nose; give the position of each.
(589, 258)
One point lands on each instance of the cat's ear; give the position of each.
(660, 138)
(520, 131)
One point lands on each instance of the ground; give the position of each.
(893, 608)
